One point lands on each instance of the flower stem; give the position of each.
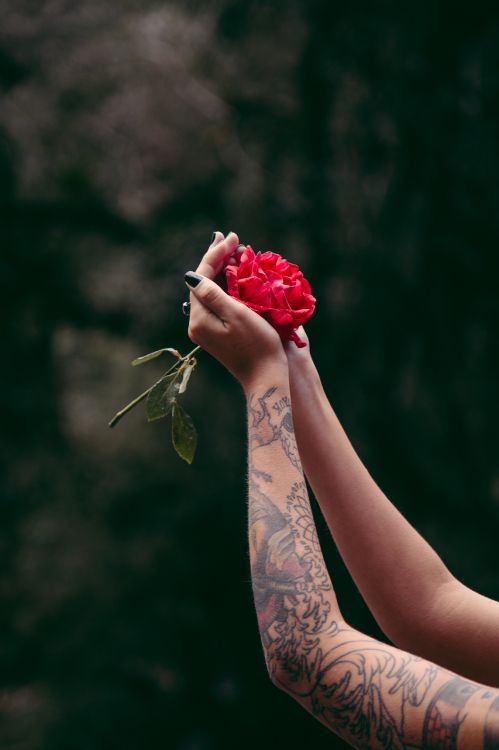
(191, 354)
(129, 407)
(120, 414)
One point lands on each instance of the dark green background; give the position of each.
(358, 139)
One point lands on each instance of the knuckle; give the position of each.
(238, 317)
(205, 260)
(194, 332)
(211, 295)
(239, 313)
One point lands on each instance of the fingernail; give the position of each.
(192, 279)
(241, 247)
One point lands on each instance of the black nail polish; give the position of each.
(192, 279)
(213, 238)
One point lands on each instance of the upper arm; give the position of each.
(376, 696)
(462, 633)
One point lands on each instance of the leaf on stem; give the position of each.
(184, 435)
(162, 397)
(187, 374)
(153, 355)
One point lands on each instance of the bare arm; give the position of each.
(370, 694)
(413, 596)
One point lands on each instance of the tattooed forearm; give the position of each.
(270, 421)
(283, 404)
(290, 582)
(370, 693)
(300, 516)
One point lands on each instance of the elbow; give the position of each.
(421, 628)
(405, 626)
(275, 671)
(296, 668)
(281, 674)
(295, 677)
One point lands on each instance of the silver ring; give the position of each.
(186, 308)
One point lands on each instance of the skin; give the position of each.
(371, 694)
(415, 599)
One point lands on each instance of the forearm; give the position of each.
(369, 693)
(294, 598)
(402, 579)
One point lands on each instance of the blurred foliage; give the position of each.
(360, 140)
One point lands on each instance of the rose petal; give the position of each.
(254, 288)
(272, 286)
(298, 341)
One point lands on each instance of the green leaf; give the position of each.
(184, 435)
(153, 355)
(162, 397)
(187, 374)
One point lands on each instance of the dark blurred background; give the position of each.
(358, 139)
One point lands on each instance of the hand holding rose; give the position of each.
(238, 337)
(268, 299)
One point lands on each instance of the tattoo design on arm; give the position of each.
(290, 600)
(265, 429)
(450, 709)
(371, 694)
(491, 731)
(444, 714)
(290, 583)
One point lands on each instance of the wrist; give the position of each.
(302, 368)
(267, 374)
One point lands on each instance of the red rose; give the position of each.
(274, 288)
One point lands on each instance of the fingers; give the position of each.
(210, 307)
(210, 296)
(216, 238)
(218, 252)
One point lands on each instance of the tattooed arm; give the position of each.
(370, 694)
(414, 598)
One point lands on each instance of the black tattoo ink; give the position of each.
(491, 729)
(282, 404)
(357, 686)
(444, 714)
(300, 514)
(290, 594)
(263, 431)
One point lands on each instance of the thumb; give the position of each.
(211, 295)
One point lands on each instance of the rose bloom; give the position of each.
(273, 287)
